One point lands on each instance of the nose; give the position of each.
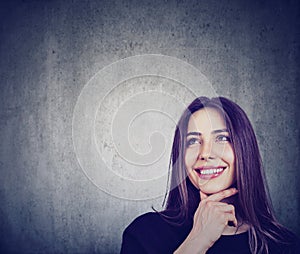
(205, 151)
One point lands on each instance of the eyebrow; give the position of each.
(196, 133)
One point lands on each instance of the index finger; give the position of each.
(222, 194)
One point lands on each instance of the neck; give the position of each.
(241, 228)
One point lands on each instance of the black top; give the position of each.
(151, 233)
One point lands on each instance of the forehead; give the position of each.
(206, 119)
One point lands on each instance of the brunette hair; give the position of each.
(253, 204)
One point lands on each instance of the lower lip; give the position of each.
(210, 176)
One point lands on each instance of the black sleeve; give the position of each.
(130, 244)
(151, 234)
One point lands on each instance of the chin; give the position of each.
(215, 189)
(212, 190)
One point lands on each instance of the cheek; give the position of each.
(228, 156)
(190, 157)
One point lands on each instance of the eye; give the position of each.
(222, 138)
(192, 141)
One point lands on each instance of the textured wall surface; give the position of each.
(49, 50)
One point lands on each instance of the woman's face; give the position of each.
(209, 157)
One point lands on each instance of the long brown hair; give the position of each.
(253, 204)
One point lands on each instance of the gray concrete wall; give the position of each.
(54, 196)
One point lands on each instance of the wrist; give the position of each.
(194, 245)
(200, 243)
(201, 240)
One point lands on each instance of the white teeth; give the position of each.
(211, 171)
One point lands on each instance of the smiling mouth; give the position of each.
(209, 172)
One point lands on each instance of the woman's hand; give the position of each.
(212, 216)
(210, 220)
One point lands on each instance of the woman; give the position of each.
(218, 200)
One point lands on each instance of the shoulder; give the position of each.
(291, 246)
(151, 221)
(141, 234)
(294, 247)
(161, 222)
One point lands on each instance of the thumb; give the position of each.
(202, 195)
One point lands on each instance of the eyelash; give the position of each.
(219, 138)
(191, 141)
(223, 136)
